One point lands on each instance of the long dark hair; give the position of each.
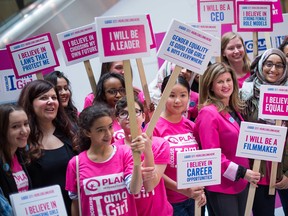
(31, 91)
(5, 146)
(70, 110)
(86, 119)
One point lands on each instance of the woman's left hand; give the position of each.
(283, 184)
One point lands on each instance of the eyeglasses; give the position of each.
(278, 66)
(114, 92)
(124, 113)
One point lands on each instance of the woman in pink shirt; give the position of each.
(14, 133)
(217, 126)
(233, 53)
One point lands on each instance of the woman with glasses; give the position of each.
(64, 89)
(110, 88)
(152, 199)
(270, 68)
(178, 131)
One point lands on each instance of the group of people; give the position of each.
(45, 141)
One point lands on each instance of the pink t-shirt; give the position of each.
(118, 131)
(193, 105)
(19, 175)
(242, 79)
(180, 137)
(102, 185)
(154, 202)
(88, 101)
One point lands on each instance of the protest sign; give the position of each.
(273, 102)
(254, 16)
(216, 11)
(44, 201)
(78, 44)
(261, 141)
(33, 55)
(276, 9)
(10, 86)
(187, 47)
(123, 37)
(198, 168)
(213, 29)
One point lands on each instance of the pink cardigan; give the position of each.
(220, 130)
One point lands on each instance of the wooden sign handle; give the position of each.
(162, 102)
(252, 190)
(255, 44)
(91, 77)
(39, 76)
(131, 107)
(274, 167)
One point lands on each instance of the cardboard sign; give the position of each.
(254, 16)
(273, 103)
(123, 37)
(222, 11)
(33, 55)
(78, 44)
(213, 29)
(261, 141)
(198, 168)
(276, 9)
(44, 201)
(187, 47)
(277, 37)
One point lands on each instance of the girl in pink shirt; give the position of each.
(107, 175)
(152, 200)
(15, 130)
(178, 131)
(217, 126)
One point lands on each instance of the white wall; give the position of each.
(161, 13)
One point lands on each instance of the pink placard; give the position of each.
(33, 55)
(275, 104)
(5, 61)
(124, 40)
(254, 17)
(153, 43)
(81, 46)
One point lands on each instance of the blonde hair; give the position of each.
(208, 97)
(225, 39)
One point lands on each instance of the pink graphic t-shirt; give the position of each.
(19, 175)
(102, 185)
(154, 202)
(180, 137)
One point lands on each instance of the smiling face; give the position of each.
(64, 91)
(234, 51)
(177, 101)
(223, 87)
(18, 130)
(46, 106)
(272, 68)
(112, 84)
(101, 131)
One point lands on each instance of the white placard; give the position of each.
(123, 37)
(198, 168)
(273, 102)
(261, 141)
(44, 201)
(187, 47)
